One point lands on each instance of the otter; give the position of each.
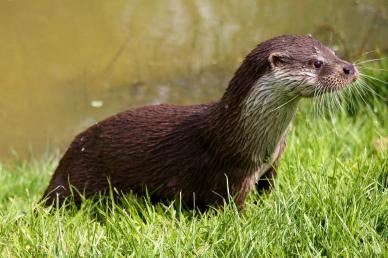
(204, 153)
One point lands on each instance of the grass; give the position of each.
(331, 199)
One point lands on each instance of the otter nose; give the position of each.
(349, 69)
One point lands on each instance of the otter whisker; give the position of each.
(323, 101)
(352, 100)
(377, 69)
(360, 88)
(357, 92)
(364, 54)
(343, 96)
(315, 104)
(370, 60)
(365, 86)
(321, 97)
(316, 100)
(335, 103)
(349, 94)
(285, 103)
(331, 104)
(373, 78)
(360, 92)
(337, 97)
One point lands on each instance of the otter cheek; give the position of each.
(307, 90)
(312, 86)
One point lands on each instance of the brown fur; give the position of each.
(201, 152)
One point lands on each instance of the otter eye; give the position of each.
(318, 64)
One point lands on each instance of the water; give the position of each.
(66, 64)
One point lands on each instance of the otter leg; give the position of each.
(57, 191)
(266, 182)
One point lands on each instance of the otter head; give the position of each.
(305, 67)
(289, 66)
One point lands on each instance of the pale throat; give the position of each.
(266, 115)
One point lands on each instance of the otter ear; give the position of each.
(276, 59)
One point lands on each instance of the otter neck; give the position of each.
(252, 123)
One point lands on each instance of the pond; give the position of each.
(67, 64)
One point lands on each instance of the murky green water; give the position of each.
(66, 64)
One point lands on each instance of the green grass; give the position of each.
(331, 199)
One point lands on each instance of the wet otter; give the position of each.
(205, 153)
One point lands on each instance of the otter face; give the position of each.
(307, 68)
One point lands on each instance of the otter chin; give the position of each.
(205, 153)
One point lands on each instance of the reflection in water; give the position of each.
(67, 64)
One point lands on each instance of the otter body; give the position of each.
(166, 150)
(204, 153)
